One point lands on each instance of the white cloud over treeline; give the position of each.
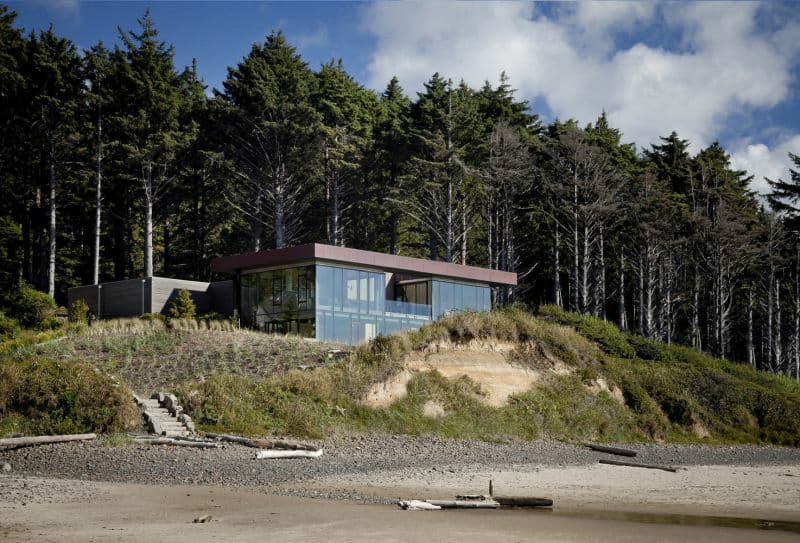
(719, 63)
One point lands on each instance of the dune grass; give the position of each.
(254, 384)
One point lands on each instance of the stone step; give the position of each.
(170, 433)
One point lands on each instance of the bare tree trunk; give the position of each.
(576, 297)
(279, 221)
(585, 270)
(751, 354)
(463, 234)
(98, 201)
(148, 222)
(770, 315)
(51, 269)
(602, 289)
(557, 269)
(796, 342)
(696, 335)
(623, 321)
(641, 298)
(778, 335)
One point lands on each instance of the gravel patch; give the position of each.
(235, 465)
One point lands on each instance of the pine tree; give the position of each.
(270, 132)
(152, 136)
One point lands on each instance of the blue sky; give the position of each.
(711, 71)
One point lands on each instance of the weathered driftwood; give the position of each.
(13, 442)
(611, 450)
(276, 453)
(182, 443)
(233, 439)
(283, 444)
(465, 504)
(635, 465)
(417, 505)
(523, 501)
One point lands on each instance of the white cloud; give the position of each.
(722, 65)
(310, 40)
(761, 161)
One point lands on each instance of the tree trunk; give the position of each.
(751, 355)
(696, 336)
(51, 269)
(576, 252)
(602, 263)
(280, 210)
(623, 321)
(778, 335)
(557, 269)
(148, 223)
(98, 201)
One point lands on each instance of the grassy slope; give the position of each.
(245, 383)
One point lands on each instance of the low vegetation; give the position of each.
(616, 387)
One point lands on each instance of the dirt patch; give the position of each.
(433, 409)
(488, 363)
(595, 386)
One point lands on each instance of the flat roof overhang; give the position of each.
(357, 257)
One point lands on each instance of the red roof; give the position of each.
(344, 255)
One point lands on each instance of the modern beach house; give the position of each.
(314, 290)
(350, 295)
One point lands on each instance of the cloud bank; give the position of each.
(652, 68)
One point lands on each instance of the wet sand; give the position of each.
(127, 512)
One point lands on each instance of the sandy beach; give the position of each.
(91, 492)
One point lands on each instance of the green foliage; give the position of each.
(9, 328)
(182, 306)
(32, 308)
(79, 311)
(44, 396)
(610, 338)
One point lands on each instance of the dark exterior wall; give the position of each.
(89, 294)
(221, 296)
(118, 299)
(133, 297)
(165, 290)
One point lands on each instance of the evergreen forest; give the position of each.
(116, 163)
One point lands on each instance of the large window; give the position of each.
(280, 301)
(351, 304)
(448, 296)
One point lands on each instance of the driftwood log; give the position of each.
(523, 501)
(14, 442)
(465, 504)
(182, 443)
(635, 465)
(611, 450)
(276, 453)
(283, 444)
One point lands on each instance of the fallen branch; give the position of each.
(283, 444)
(611, 450)
(465, 504)
(417, 505)
(634, 465)
(272, 453)
(182, 443)
(14, 442)
(522, 501)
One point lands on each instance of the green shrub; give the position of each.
(213, 316)
(32, 308)
(182, 306)
(9, 328)
(79, 311)
(153, 317)
(64, 397)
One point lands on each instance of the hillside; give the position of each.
(492, 376)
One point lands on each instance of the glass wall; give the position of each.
(280, 301)
(447, 296)
(352, 306)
